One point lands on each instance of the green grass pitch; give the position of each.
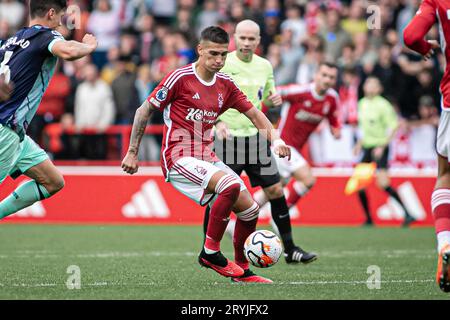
(160, 262)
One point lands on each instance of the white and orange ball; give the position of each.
(263, 248)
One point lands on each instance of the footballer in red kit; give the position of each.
(307, 106)
(191, 107)
(431, 11)
(192, 98)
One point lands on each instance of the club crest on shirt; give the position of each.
(326, 108)
(308, 104)
(161, 95)
(220, 100)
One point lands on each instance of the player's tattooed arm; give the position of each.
(143, 113)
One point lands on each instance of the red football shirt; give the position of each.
(426, 16)
(305, 111)
(191, 107)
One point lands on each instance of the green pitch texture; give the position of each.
(160, 262)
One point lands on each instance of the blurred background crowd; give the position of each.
(140, 41)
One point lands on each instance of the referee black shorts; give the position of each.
(382, 163)
(252, 155)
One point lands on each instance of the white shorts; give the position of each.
(191, 177)
(443, 135)
(287, 167)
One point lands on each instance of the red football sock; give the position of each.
(295, 190)
(440, 202)
(241, 232)
(228, 189)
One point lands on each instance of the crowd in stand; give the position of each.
(140, 41)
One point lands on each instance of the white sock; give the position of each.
(443, 239)
(230, 228)
(209, 251)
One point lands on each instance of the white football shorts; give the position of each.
(443, 135)
(191, 177)
(287, 167)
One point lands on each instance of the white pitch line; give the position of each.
(425, 254)
(351, 282)
(149, 284)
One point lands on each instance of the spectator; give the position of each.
(388, 71)
(81, 29)
(313, 57)
(128, 46)
(170, 59)
(291, 54)
(296, 24)
(184, 23)
(126, 98)
(335, 37)
(271, 23)
(146, 37)
(105, 25)
(164, 11)
(348, 94)
(355, 22)
(348, 57)
(94, 109)
(406, 15)
(150, 147)
(13, 13)
(209, 16)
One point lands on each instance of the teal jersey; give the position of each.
(26, 60)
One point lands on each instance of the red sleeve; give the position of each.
(236, 99)
(165, 92)
(415, 32)
(333, 115)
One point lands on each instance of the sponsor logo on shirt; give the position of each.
(306, 116)
(201, 115)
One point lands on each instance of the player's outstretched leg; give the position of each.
(282, 219)
(247, 211)
(227, 188)
(47, 181)
(440, 203)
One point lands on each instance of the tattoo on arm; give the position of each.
(143, 113)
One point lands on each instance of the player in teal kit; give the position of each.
(27, 61)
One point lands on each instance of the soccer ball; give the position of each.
(263, 248)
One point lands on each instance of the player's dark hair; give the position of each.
(215, 34)
(38, 8)
(329, 65)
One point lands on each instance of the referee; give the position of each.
(238, 143)
(377, 122)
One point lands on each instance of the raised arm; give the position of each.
(73, 50)
(265, 128)
(414, 34)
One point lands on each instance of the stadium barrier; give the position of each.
(106, 195)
